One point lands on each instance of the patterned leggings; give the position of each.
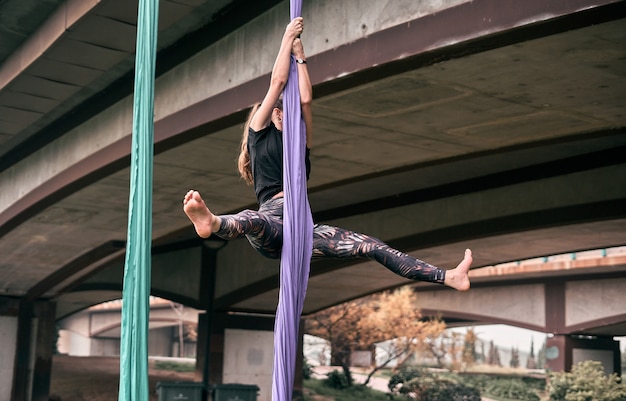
(264, 231)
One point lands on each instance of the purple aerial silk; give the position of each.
(297, 236)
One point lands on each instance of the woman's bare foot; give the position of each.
(203, 220)
(458, 278)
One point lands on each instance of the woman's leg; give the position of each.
(262, 228)
(264, 232)
(334, 242)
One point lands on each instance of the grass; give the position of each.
(316, 388)
(174, 366)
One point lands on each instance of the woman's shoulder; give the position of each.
(271, 128)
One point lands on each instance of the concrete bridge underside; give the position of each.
(582, 296)
(439, 125)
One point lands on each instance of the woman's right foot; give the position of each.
(203, 220)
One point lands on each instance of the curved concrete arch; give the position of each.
(562, 297)
(496, 125)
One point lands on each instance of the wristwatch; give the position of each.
(300, 61)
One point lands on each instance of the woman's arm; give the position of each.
(306, 90)
(280, 73)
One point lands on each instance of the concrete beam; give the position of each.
(66, 15)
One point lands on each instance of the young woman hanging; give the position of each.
(260, 164)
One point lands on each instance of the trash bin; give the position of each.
(179, 391)
(235, 392)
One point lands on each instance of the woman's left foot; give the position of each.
(458, 278)
(203, 220)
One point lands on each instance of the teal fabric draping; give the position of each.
(297, 237)
(136, 292)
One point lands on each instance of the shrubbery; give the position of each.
(336, 380)
(511, 387)
(586, 382)
(427, 386)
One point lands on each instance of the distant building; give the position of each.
(95, 331)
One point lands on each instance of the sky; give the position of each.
(509, 336)
(506, 337)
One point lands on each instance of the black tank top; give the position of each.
(266, 159)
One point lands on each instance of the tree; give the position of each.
(483, 358)
(337, 324)
(439, 348)
(531, 363)
(360, 324)
(497, 356)
(514, 358)
(494, 355)
(469, 351)
(541, 356)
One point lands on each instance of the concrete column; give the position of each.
(23, 353)
(9, 308)
(45, 313)
(29, 329)
(565, 351)
(557, 358)
(240, 350)
(210, 348)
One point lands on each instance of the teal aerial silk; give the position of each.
(136, 293)
(297, 237)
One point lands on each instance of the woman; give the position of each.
(260, 164)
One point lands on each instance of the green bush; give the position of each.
(446, 390)
(586, 382)
(511, 388)
(337, 380)
(426, 386)
(404, 375)
(515, 387)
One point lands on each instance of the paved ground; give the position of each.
(97, 379)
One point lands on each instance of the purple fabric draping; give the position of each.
(297, 236)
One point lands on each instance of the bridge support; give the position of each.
(565, 351)
(234, 348)
(28, 331)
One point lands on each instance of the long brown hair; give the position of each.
(243, 162)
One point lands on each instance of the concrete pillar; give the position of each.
(565, 351)
(28, 331)
(44, 338)
(23, 347)
(9, 308)
(240, 350)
